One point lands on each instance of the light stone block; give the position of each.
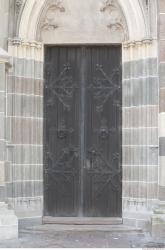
(162, 171)
(2, 123)
(145, 116)
(162, 74)
(32, 131)
(21, 85)
(2, 193)
(25, 189)
(28, 154)
(2, 173)
(140, 190)
(140, 91)
(2, 76)
(162, 193)
(134, 155)
(30, 69)
(140, 68)
(162, 124)
(162, 100)
(2, 101)
(162, 27)
(140, 173)
(25, 173)
(25, 105)
(140, 136)
(2, 150)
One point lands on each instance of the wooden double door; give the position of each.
(82, 131)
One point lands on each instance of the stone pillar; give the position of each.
(140, 131)
(158, 219)
(25, 129)
(8, 220)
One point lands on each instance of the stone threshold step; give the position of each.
(82, 220)
(82, 228)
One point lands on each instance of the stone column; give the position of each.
(8, 220)
(158, 219)
(140, 131)
(25, 129)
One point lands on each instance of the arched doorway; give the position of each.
(82, 109)
(102, 23)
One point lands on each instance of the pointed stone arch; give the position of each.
(33, 9)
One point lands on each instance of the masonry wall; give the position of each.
(24, 171)
(4, 10)
(140, 131)
(24, 124)
(2, 131)
(162, 99)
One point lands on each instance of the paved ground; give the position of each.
(59, 236)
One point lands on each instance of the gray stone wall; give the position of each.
(140, 128)
(162, 100)
(140, 133)
(8, 220)
(24, 125)
(2, 131)
(24, 111)
(158, 218)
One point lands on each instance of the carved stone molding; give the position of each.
(49, 25)
(18, 5)
(116, 18)
(49, 21)
(20, 42)
(108, 5)
(144, 41)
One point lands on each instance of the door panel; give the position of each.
(102, 178)
(82, 131)
(61, 132)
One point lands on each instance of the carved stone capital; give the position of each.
(24, 43)
(145, 41)
(15, 41)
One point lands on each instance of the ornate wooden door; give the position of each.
(82, 131)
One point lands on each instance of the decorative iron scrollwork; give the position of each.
(104, 131)
(62, 162)
(63, 87)
(62, 130)
(104, 87)
(99, 165)
(99, 162)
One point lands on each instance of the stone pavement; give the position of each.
(78, 236)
